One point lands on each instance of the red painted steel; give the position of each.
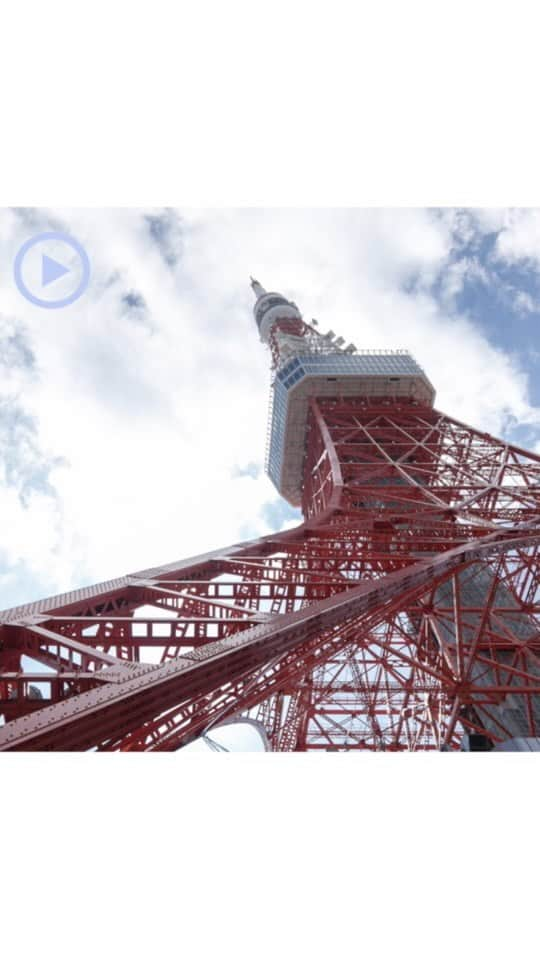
(401, 613)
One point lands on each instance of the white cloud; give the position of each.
(518, 233)
(524, 302)
(156, 413)
(457, 273)
(519, 238)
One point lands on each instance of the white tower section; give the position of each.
(271, 307)
(309, 365)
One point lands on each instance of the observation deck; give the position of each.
(370, 374)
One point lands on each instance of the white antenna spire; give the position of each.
(257, 288)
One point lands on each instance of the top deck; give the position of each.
(365, 374)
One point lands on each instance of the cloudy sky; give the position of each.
(132, 423)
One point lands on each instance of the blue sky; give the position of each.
(133, 423)
(501, 295)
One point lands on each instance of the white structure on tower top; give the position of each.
(269, 308)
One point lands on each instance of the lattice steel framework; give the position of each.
(403, 611)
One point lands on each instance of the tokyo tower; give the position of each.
(401, 615)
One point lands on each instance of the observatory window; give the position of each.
(272, 301)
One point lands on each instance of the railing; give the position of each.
(269, 426)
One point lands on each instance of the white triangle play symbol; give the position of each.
(51, 269)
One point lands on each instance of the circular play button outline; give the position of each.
(52, 303)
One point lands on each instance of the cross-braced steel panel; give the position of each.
(401, 613)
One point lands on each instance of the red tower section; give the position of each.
(402, 614)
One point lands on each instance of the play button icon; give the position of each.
(51, 270)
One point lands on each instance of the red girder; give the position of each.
(404, 610)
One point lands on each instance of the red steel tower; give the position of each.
(402, 614)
